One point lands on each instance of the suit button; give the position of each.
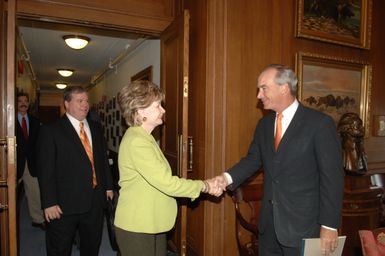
(271, 201)
(276, 181)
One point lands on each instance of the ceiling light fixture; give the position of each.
(65, 72)
(61, 86)
(76, 42)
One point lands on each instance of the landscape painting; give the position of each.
(334, 86)
(344, 22)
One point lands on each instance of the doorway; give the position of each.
(48, 114)
(147, 17)
(109, 61)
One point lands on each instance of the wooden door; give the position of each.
(8, 234)
(48, 114)
(174, 81)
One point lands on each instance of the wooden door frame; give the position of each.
(7, 131)
(177, 35)
(81, 14)
(155, 31)
(218, 223)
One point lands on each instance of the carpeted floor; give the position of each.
(32, 239)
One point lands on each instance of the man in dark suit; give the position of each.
(74, 177)
(303, 175)
(27, 129)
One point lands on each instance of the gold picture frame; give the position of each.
(335, 86)
(340, 22)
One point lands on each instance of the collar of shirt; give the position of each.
(288, 115)
(76, 124)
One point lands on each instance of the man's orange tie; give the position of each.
(87, 147)
(278, 131)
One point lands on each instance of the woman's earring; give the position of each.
(144, 119)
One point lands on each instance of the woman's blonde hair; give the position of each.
(139, 94)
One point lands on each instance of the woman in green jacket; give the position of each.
(146, 207)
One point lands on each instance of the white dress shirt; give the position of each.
(76, 124)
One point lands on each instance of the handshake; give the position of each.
(215, 186)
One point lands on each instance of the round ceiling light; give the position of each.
(76, 42)
(65, 72)
(61, 86)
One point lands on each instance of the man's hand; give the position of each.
(220, 185)
(53, 212)
(110, 194)
(213, 188)
(221, 181)
(329, 241)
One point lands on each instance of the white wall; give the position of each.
(103, 95)
(147, 54)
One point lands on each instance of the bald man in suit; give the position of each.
(74, 178)
(303, 174)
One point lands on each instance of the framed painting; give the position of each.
(335, 21)
(335, 86)
(145, 74)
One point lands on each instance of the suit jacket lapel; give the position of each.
(73, 135)
(19, 128)
(32, 126)
(93, 137)
(292, 130)
(270, 131)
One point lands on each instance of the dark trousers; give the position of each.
(269, 244)
(61, 232)
(135, 244)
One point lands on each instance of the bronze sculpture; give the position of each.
(352, 132)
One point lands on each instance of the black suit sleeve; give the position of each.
(248, 165)
(109, 183)
(34, 133)
(46, 167)
(329, 161)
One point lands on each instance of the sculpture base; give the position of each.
(361, 210)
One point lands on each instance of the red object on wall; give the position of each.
(20, 67)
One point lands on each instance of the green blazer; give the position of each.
(147, 187)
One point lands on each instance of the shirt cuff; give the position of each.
(328, 227)
(228, 178)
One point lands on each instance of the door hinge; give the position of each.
(185, 86)
(3, 207)
(9, 143)
(3, 142)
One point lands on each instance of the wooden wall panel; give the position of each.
(52, 99)
(207, 226)
(153, 8)
(197, 75)
(262, 32)
(148, 16)
(242, 38)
